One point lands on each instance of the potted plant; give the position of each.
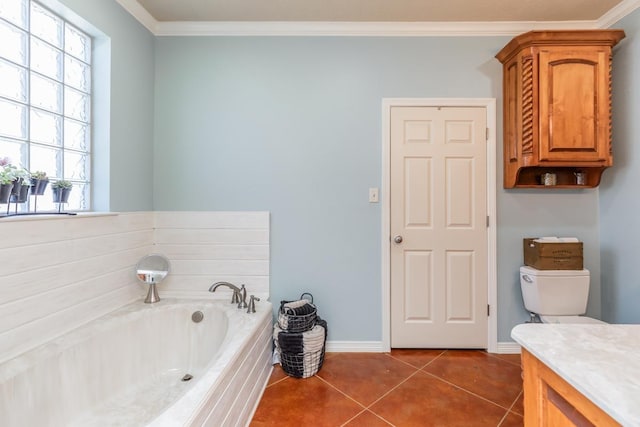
(23, 179)
(7, 178)
(22, 195)
(21, 186)
(39, 181)
(61, 190)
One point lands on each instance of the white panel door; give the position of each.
(438, 227)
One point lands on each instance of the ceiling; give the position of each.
(373, 17)
(377, 10)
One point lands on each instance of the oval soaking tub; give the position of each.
(145, 364)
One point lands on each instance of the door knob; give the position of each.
(397, 239)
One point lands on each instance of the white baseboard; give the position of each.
(354, 347)
(376, 347)
(508, 347)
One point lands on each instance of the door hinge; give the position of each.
(487, 221)
(488, 310)
(486, 134)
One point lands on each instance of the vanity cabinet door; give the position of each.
(574, 102)
(549, 401)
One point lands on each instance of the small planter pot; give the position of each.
(22, 195)
(5, 192)
(61, 195)
(17, 185)
(38, 186)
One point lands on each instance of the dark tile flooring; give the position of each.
(401, 388)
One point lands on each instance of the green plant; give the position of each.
(23, 174)
(7, 173)
(6, 178)
(61, 183)
(39, 175)
(10, 173)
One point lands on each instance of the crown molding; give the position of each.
(366, 29)
(140, 13)
(617, 13)
(362, 29)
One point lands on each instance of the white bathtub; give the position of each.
(126, 369)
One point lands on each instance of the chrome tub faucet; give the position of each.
(239, 294)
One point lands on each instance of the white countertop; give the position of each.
(600, 361)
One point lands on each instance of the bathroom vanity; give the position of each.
(580, 374)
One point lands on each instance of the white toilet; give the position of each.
(556, 296)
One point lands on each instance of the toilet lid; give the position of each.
(571, 320)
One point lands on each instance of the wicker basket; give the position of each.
(297, 323)
(297, 359)
(302, 365)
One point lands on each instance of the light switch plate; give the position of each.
(373, 195)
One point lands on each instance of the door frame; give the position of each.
(492, 297)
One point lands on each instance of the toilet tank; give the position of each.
(555, 292)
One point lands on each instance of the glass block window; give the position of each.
(45, 98)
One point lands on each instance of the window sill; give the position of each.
(54, 216)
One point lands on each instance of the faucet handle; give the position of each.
(252, 304)
(242, 297)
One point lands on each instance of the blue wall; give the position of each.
(293, 126)
(619, 195)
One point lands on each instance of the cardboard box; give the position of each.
(553, 256)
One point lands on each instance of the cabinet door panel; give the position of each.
(574, 107)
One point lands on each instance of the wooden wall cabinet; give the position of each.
(557, 106)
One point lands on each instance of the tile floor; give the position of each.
(404, 388)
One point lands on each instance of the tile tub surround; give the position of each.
(600, 361)
(126, 369)
(70, 270)
(402, 388)
(60, 272)
(206, 247)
